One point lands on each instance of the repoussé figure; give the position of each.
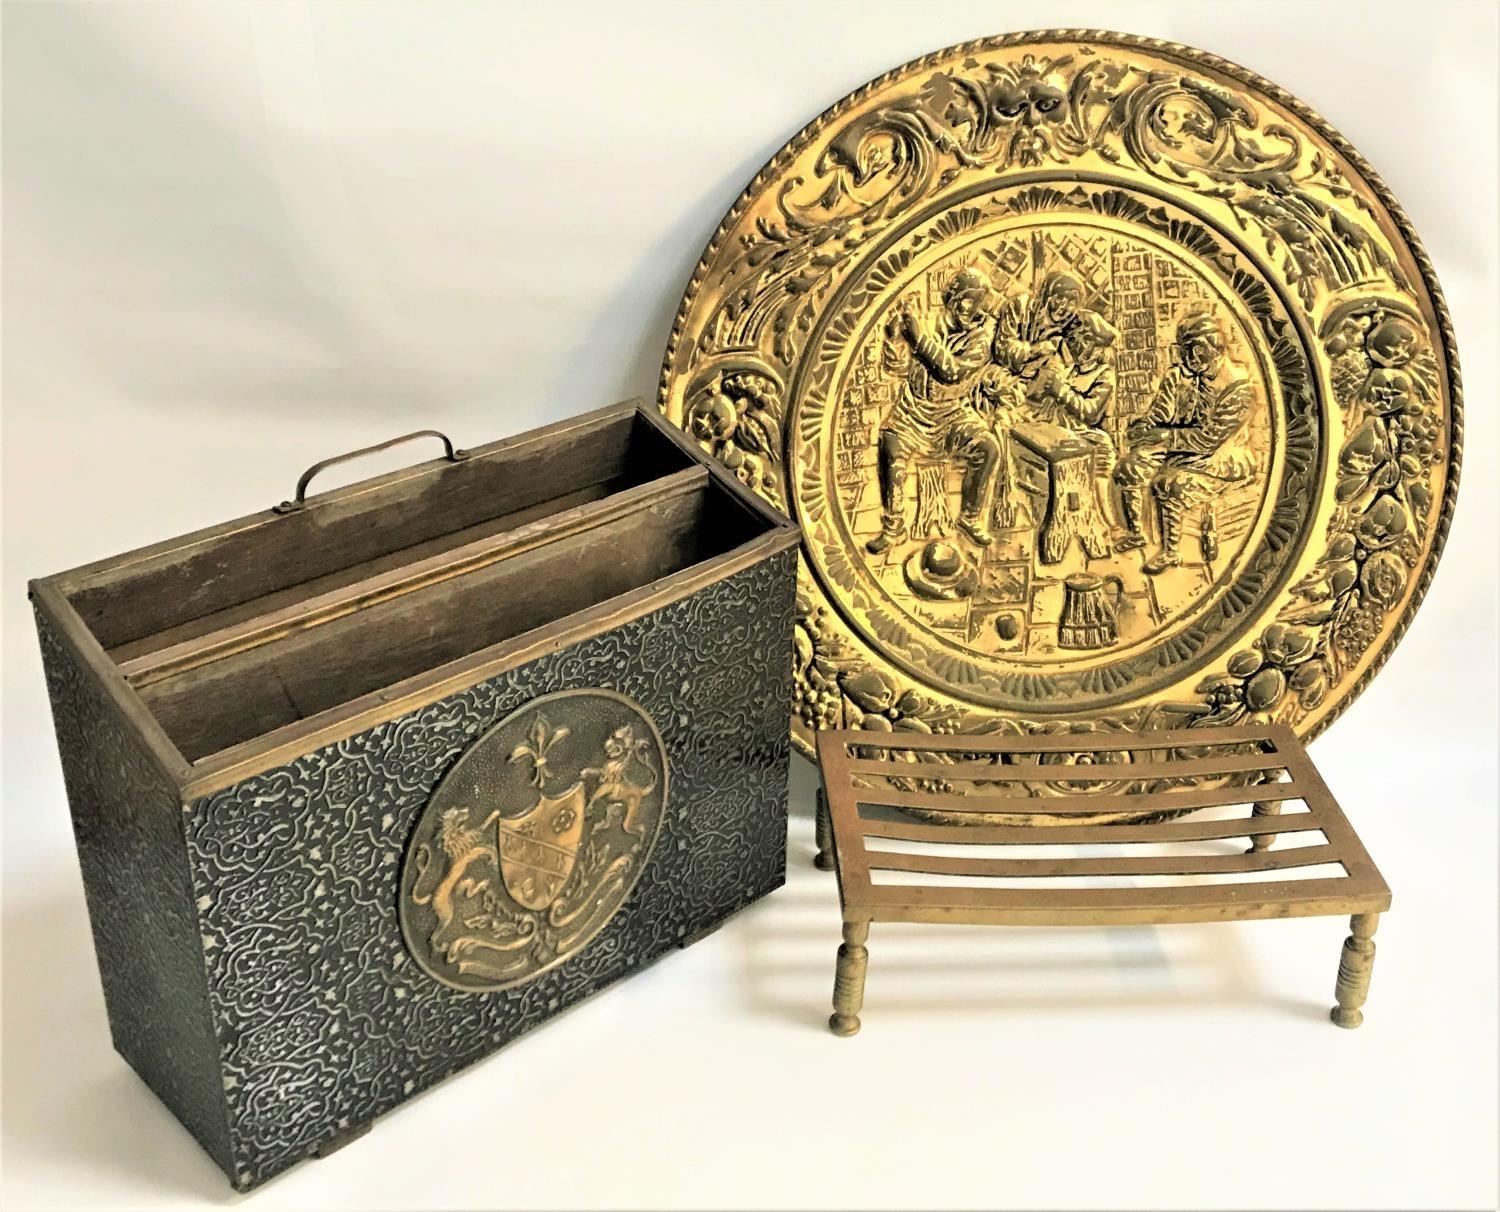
(939, 358)
(1190, 441)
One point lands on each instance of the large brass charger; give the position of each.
(1109, 384)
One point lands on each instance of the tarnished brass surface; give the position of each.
(1108, 383)
(533, 839)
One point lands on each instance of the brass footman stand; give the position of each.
(1260, 776)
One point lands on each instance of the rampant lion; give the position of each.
(463, 845)
(615, 787)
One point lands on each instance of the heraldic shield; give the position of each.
(539, 849)
(495, 892)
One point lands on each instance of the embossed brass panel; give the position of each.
(254, 720)
(1109, 385)
(533, 840)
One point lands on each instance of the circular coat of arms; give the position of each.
(533, 840)
(1109, 385)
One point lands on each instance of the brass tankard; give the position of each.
(1091, 605)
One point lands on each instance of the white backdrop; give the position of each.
(238, 238)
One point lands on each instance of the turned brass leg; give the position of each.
(823, 860)
(1262, 841)
(1354, 970)
(849, 979)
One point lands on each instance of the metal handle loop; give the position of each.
(299, 501)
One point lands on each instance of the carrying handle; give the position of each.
(452, 454)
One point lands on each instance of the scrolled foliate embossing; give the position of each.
(324, 1016)
(1108, 384)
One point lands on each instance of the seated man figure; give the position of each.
(1031, 328)
(1190, 441)
(1074, 390)
(934, 414)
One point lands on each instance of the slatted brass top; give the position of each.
(891, 866)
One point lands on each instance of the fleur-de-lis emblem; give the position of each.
(541, 739)
(502, 879)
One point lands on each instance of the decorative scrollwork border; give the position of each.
(1190, 57)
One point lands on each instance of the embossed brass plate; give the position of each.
(1109, 385)
(533, 840)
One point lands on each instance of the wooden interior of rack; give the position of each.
(234, 632)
